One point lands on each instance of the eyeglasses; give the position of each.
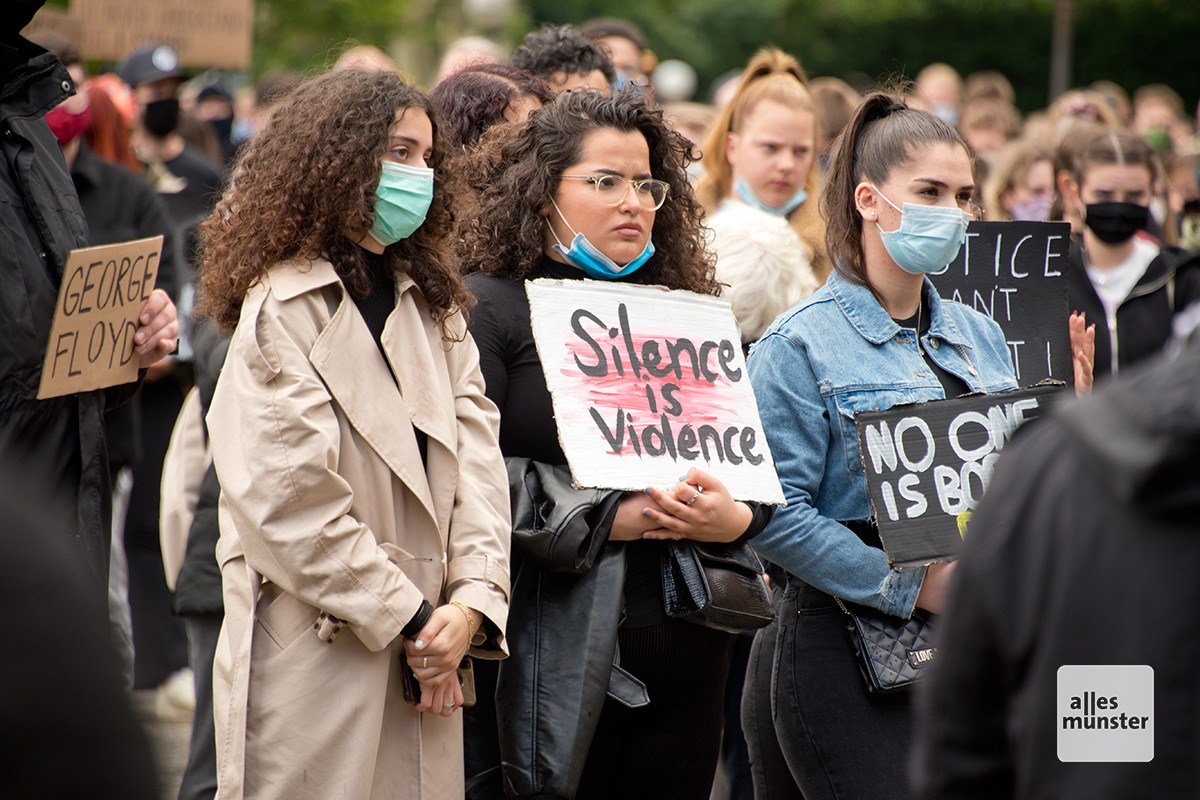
(612, 189)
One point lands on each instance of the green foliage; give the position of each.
(1132, 42)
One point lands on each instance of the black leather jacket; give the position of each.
(564, 649)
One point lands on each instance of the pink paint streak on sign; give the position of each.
(648, 382)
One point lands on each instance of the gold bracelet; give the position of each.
(470, 619)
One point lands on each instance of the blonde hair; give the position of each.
(776, 76)
(1011, 169)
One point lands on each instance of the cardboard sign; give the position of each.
(1016, 273)
(648, 382)
(927, 466)
(91, 340)
(215, 33)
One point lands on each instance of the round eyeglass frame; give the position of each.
(597, 180)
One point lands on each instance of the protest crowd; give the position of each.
(383, 502)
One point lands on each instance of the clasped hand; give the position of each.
(434, 656)
(698, 507)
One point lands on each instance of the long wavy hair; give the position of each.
(522, 166)
(776, 76)
(306, 185)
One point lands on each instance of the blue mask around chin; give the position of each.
(748, 197)
(929, 237)
(587, 257)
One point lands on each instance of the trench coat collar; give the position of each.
(376, 403)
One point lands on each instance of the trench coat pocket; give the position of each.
(282, 617)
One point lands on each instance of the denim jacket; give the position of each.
(835, 354)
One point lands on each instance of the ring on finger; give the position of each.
(447, 706)
(692, 499)
(424, 661)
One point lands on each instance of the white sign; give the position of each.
(646, 383)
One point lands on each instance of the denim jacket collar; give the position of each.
(873, 323)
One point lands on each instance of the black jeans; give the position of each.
(669, 749)
(768, 768)
(840, 743)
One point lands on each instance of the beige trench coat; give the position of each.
(326, 507)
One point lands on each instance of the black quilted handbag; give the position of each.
(891, 652)
(716, 585)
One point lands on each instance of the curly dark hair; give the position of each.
(521, 166)
(554, 48)
(306, 181)
(476, 97)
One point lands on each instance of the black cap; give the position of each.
(151, 63)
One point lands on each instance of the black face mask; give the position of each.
(1114, 223)
(161, 117)
(223, 127)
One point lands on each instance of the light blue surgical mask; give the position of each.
(587, 257)
(929, 237)
(748, 197)
(404, 194)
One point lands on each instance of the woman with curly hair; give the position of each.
(479, 96)
(607, 697)
(364, 522)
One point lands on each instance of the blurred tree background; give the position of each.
(1132, 42)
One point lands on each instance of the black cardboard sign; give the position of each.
(927, 466)
(1016, 273)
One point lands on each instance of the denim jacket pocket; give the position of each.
(855, 401)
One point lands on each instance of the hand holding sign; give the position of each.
(158, 334)
(108, 311)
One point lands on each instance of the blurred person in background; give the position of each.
(760, 189)
(1117, 98)
(214, 105)
(987, 126)
(187, 183)
(479, 96)
(468, 51)
(366, 58)
(939, 91)
(691, 121)
(625, 45)
(988, 85)
(1126, 283)
(836, 101)
(1021, 184)
(1158, 117)
(565, 59)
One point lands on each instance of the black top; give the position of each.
(952, 385)
(375, 308)
(503, 331)
(1144, 318)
